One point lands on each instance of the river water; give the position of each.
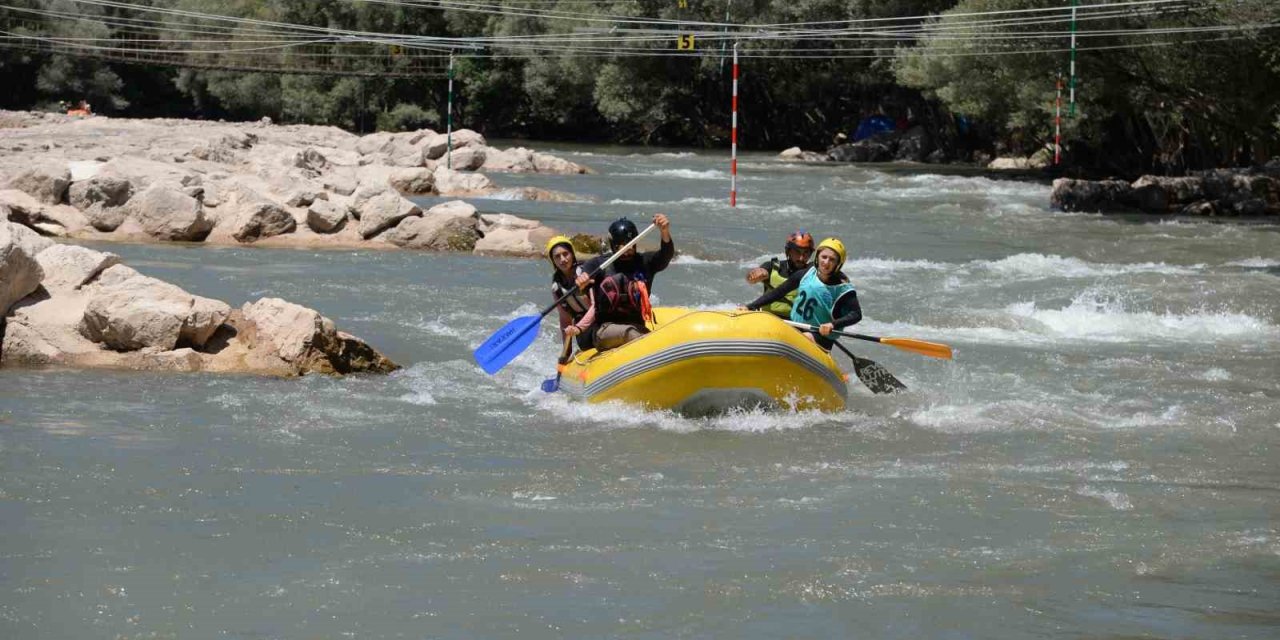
(1098, 461)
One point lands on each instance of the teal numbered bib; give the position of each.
(816, 299)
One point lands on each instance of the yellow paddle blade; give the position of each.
(931, 349)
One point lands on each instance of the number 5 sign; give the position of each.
(684, 42)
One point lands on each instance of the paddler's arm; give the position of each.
(662, 257)
(847, 312)
(777, 293)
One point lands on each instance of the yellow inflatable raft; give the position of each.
(704, 362)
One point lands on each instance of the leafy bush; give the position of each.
(406, 117)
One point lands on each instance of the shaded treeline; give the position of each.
(1166, 102)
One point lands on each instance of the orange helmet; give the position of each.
(800, 241)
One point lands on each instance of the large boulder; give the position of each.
(383, 211)
(46, 181)
(102, 199)
(877, 148)
(67, 267)
(144, 172)
(508, 235)
(466, 159)
(20, 271)
(145, 312)
(311, 161)
(166, 212)
(326, 216)
(507, 241)
(48, 219)
(513, 160)
(374, 143)
(1090, 195)
(413, 181)
(127, 311)
(299, 340)
(547, 163)
(449, 182)
(452, 226)
(914, 145)
(262, 220)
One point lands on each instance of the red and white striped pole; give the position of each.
(733, 164)
(1057, 126)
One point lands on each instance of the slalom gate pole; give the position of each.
(733, 162)
(1057, 125)
(1072, 110)
(449, 118)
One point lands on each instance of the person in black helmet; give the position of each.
(622, 291)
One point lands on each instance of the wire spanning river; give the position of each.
(1099, 461)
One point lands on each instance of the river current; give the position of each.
(1099, 460)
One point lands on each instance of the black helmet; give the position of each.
(621, 232)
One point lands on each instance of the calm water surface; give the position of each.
(1099, 461)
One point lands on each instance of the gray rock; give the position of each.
(67, 267)
(138, 313)
(166, 213)
(107, 191)
(324, 216)
(452, 226)
(262, 220)
(1089, 195)
(20, 272)
(383, 211)
(47, 182)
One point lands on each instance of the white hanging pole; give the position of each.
(1071, 111)
(733, 163)
(449, 118)
(1057, 124)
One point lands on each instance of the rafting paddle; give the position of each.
(877, 378)
(931, 349)
(514, 337)
(552, 385)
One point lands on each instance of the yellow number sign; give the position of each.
(685, 42)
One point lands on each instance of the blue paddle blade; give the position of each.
(551, 385)
(507, 343)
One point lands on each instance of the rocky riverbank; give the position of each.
(256, 183)
(70, 306)
(1248, 192)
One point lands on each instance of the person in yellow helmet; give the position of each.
(577, 311)
(824, 296)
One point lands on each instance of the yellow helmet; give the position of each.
(833, 244)
(558, 240)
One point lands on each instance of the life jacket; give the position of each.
(781, 308)
(576, 304)
(817, 299)
(625, 299)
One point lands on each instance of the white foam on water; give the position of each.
(1256, 262)
(664, 154)
(685, 174)
(1214, 374)
(617, 415)
(688, 259)
(890, 266)
(1037, 266)
(1114, 499)
(1093, 317)
(504, 194)
(636, 202)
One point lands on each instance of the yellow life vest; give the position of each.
(781, 308)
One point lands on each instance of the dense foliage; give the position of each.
(1203, 100)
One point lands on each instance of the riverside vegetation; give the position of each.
(1148, 103)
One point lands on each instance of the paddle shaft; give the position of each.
(931, 349)
(801, 325)
(613, 258)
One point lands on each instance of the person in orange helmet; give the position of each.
(797, 252)
(824, 296)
